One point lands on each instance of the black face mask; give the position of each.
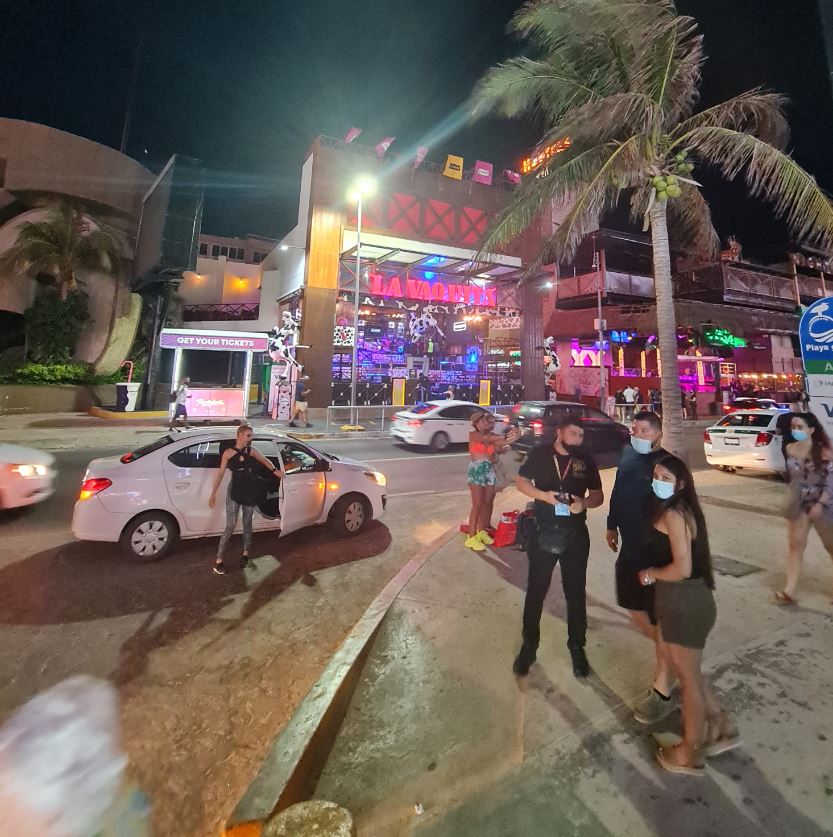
(571, 448)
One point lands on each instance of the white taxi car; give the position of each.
(746, 439)
(148, 499)
(438, 424)
(26, 476)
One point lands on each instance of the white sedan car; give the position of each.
(746, 439)
(148, 499)
(438, 424)
(26, 476)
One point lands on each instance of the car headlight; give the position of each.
(378, 477)
(30, 471)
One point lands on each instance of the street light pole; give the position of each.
(354, 412)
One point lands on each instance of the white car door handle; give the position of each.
(182, 485)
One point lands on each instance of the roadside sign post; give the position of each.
(815, 332)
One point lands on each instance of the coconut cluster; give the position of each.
(668, 185)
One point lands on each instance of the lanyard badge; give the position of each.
(562, 509)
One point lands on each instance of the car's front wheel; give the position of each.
(439, 441)
(349, 516)
(149, 536)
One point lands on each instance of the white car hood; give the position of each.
(18, 455)
(353, 464)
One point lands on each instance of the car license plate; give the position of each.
(728, 440)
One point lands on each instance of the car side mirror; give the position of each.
(321, 465)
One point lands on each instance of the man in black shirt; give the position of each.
(628, 517)
(558, 476)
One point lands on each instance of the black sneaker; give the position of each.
(244, 562)
(291, 424)
(526, 657)
(581, 668)
(219, 568)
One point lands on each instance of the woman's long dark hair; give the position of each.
(686, 502)
(818, 438)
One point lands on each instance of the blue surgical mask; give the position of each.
(800, 435)
(641, 445)
(663, 490)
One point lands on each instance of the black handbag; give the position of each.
(555, 540)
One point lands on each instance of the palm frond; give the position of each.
(755, 112)
(522, 86)
(771, 175)
(690, 218)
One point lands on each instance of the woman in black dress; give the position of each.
(685, 613)
(243, 493)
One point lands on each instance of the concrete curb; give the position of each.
(297, 756)
(100, 412)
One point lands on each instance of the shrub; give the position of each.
(53, 326)
(52, 373)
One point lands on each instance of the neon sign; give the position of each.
(529, 164)
(399, 288)
(722, 337)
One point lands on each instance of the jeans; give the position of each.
(232, 511)
(573, 578)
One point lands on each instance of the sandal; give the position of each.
(665, 758)
(720, 737)
(783, 599)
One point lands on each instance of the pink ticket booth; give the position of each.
(219, 364)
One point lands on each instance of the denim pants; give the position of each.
(573, 579)
(232, 511)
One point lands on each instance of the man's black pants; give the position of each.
(573, 578)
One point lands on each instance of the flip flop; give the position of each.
(681, 769)
(783, 599)
(722, 745)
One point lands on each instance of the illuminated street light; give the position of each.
(363, 187)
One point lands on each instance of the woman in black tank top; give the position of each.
(243, 493)
(685, 611)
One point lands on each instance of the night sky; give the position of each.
(245, 86)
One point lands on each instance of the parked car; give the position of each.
(745, 439)
(26, 476)
(150, 498)
(438, 424)
(537, 421)
(752, 404)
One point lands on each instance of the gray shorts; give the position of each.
(685, 612)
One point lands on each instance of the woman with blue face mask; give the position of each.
(685, 613)
(810, 501)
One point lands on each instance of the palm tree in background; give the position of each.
(621, 79)
(56, 249)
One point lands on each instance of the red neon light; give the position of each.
(529, 164)
(381, 285)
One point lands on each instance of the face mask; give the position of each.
(641, 445)
(663, 490)
(571, 448)
(800, 435)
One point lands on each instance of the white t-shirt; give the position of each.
(181, 394)
(630, 395)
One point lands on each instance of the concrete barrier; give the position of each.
(54, 398)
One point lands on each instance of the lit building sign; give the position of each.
(398, 288)
(585, 357)
(722, 337)
(529, 164)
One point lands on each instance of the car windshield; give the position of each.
(146, 449)
(531, 410)
(421, 409)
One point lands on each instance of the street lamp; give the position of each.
(364, 187)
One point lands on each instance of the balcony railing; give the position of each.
(613, 282)
(745, 285)
(224, 311)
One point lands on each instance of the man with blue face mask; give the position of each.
(628, 517)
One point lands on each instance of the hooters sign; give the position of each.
(397, 287)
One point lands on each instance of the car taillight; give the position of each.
(92, 487)
(128, 457)
(536, 426)
(727, 408)
(415, 423)
(762, 440)
(516, 408)
(706, 437)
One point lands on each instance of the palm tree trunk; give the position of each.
(532, 338)
(672, 420)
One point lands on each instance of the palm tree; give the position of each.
(621, 79)
(60, 246)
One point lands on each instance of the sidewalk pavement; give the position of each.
(438, 719)
(75, 431)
